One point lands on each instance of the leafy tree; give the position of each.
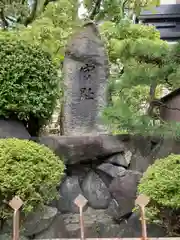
(29, 83)
(47, 23)
(115, 10)
(161, 183)
(145, 67)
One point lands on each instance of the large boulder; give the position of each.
(121, 159)
(83, 148)
(96, 191)
(112, 170)
(39, 221)
(13, 129)
(69, 190)
(132, 228)
(124, 189)
(56, 230)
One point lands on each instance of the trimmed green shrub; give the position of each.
(30, 171)
(28, 79)
(161, 182)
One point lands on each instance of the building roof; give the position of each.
(161, 12)
(171, 95)
(165, 18)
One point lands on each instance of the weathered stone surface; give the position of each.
(112, 170)
(114, 210)
(85, 76)
(100, 225)
(97, 224)
(95, 191)
(38, 221)
(9, 237)
(13, 129)
(120, 159)
(123, 189)
(132, 228)
(140, 163)
(80, 170)
(69, 190)
(56, 230)
(83, 148)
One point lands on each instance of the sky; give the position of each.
(81, 9)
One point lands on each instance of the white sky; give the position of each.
(81, 9)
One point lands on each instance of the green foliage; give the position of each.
(161, 183)
(52, 28)
(142, 60)
(29, 81)
(30, 171)
(115, 10)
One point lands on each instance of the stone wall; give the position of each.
(105, 170)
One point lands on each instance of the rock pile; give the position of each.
(105, 170)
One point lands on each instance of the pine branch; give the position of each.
(96, 9)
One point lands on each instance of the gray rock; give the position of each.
(9, 237)
(95, 191)
(56, 230)
(85, 77)
(121, 159)
(13, 129)
(38, 221)
(124, 189)
(80, 170)
(132, 228)
(114, 210)
(83, 148)
(69, 190)
(128, 157)
(97, 224)
(112, 170)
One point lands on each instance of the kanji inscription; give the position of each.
(86, 76)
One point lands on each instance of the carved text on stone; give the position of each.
(86, 82)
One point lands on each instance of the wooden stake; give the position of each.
(15, 204)
(143, 223)
(16, 225)
(81, 201)
(142, 201)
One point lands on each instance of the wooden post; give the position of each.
(15, 204)
(142, 201)
(143, 223)
(81, 201)
(81, 222)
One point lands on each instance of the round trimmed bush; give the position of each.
(161, 182)
(29, 81)
(30, 171)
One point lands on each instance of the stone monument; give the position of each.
(85, 76)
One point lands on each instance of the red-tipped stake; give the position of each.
(15, 204)
(142, 201)
(81, 202)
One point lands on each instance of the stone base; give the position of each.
(106, 170)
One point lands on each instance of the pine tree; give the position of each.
(144, 66)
